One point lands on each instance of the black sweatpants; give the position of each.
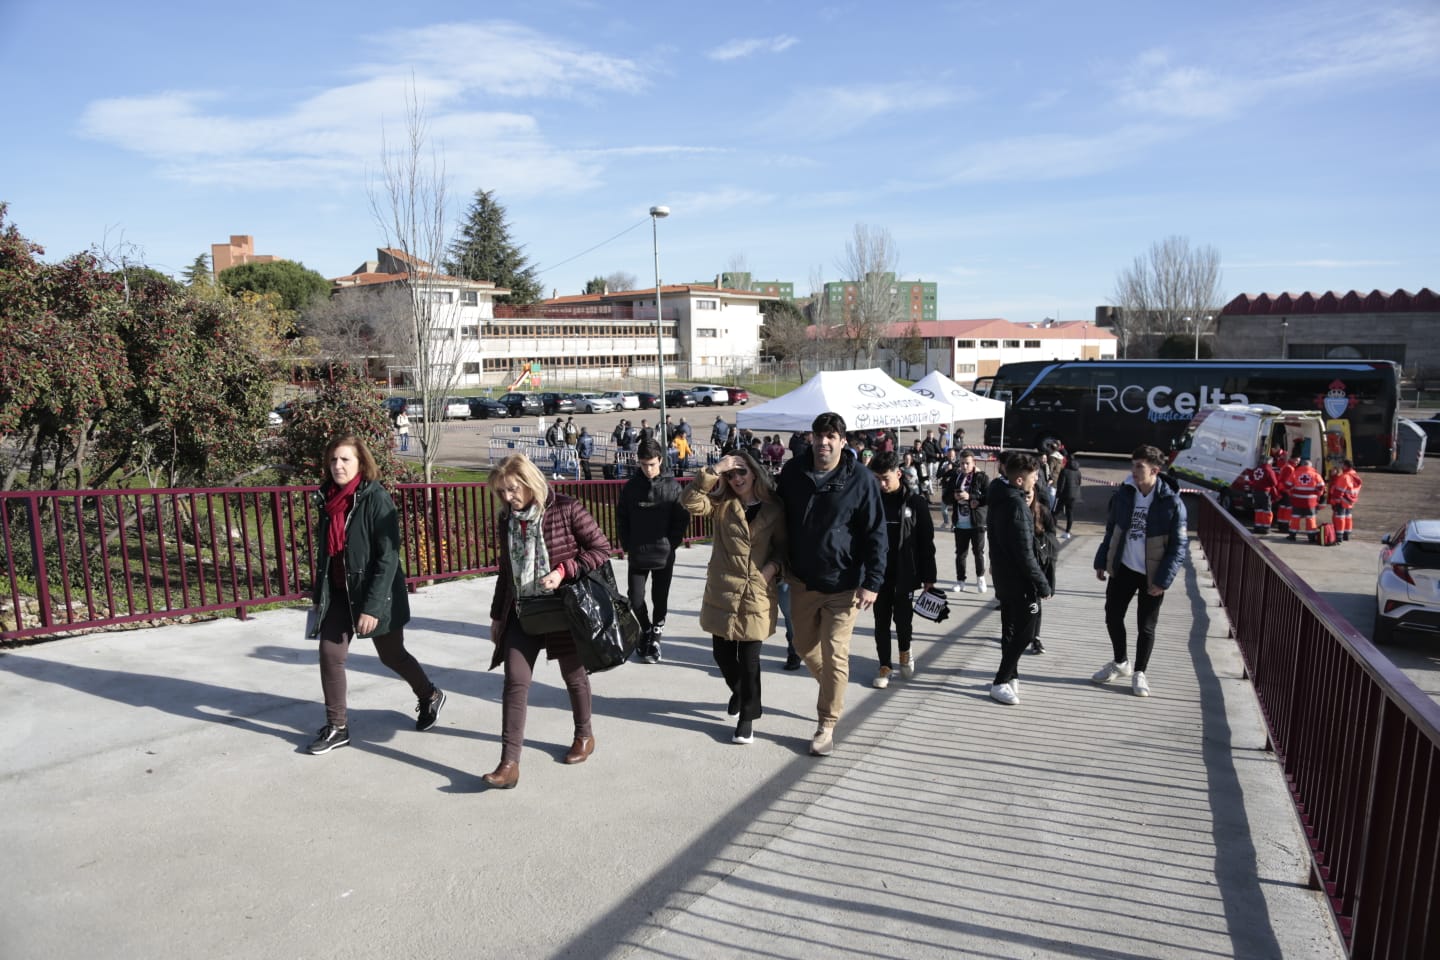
(739, 663)
(892, 604)
(1124, 585)
(1020, 618)
(659, 593)
(969, 541)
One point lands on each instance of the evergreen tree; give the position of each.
(595, 285)
(483, 250)
(198, 273)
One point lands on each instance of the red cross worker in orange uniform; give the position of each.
(1306, 488)
(1343, 494)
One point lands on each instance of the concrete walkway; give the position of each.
(158, 803)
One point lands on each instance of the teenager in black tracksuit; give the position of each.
(1020, 582)
(909, 565)
(652, 525)
(966, 493)
(1047, 551)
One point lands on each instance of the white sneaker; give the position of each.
(1002, 693)
(1065, 535)
(823, 743)
(882, 679)
(1015, 686)
(959, 586)
(1111, 671)
(1139, 685)
(980, 585)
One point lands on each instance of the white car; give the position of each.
(1407, 591)
(707, 396)
(623, 399)
(590, 402)
(456, 408)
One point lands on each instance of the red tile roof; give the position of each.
(1401, 301)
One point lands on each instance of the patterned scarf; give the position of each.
(529, 560)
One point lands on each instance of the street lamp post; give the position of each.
(1284, 338)
(659, 213)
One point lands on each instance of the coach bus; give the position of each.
(1113, 406)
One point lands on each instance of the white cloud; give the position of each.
(737, 49)
(1051, 156)
(333, 137)
(834, 111)
(724, 198)
(1295, 54)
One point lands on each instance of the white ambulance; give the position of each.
(1226, 439)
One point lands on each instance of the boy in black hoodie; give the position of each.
(652, 526)
(1020, 583)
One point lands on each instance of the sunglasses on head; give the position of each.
(737, 472)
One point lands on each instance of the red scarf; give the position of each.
(338, 501)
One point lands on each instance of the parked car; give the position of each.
(708, 395)
(648, 401)
(624, 399)
(679, 398)
(1431, 429)
(485, 408)
(1407, 590)
(557, 403)
(524, 404)
(738, 395)
(415, 409)
(591, 402)
(455, 408)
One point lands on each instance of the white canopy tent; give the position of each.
(867, 399)
(964, 404)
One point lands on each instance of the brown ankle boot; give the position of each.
(580, 750)
(504, 776)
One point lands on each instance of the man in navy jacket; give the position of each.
(837, 560)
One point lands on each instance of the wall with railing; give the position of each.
(1358, 742)
(84, 559)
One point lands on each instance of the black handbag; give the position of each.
(603, 626)
(542, 615)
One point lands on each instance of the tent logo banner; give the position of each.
(923, 392)
(872, 390)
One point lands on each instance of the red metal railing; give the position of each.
(1359, 745)
(83, 559)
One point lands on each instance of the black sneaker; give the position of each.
(429, 709)
(1036, 646)
(328, 738)
(743, 733)
(652, 652)
(793, 661)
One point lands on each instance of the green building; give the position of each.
(918, 297)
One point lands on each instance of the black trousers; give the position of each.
(892, 603)
(659, 594)
(739, 663)
(972, 541)
(1124, 585)
(1020, 618)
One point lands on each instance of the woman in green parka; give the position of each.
(741, 585)
(360, 586)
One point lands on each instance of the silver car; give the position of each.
(590, 402)
(1407, 591)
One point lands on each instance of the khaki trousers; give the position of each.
(823, 623)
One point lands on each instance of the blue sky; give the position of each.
(1020, 154)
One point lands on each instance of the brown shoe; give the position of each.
(504, 776)
(580, 750)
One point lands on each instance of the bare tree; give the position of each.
(871, 263)
(621, 280)
(737, 273)
(1171, 290)
(364, 323)
(409, 205)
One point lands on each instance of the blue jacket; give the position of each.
(1164, 533)
(837, 531)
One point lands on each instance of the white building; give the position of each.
(966, 349)
(461, 310)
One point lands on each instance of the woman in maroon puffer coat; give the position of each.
(546, 539)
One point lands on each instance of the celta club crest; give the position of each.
(872, 390)
(923, 392)
(861, 419)
(1335, 401)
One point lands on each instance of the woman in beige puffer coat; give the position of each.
(739, 608)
